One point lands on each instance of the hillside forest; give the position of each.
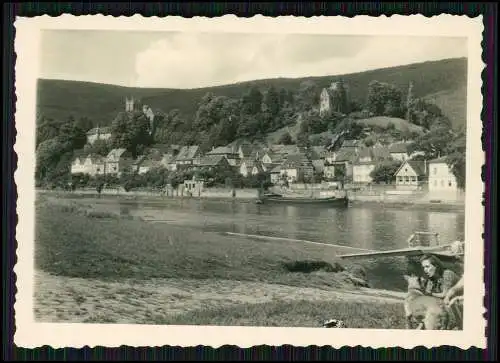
(292, 116)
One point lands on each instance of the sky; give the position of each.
(195, 60)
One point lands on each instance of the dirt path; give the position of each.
(65, 299)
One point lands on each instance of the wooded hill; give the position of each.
(443, 82)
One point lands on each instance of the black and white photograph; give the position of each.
(254, 177)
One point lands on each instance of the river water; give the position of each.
(367, 227)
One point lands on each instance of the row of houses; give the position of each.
(281, 162)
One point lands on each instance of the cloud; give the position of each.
(188, 60)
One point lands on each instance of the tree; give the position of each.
(339, 98)
(384, 99)
(353, 130)
(84, 123)
(456, 158)
(285, 139)
(307, 96)
(286, 98)
(46, 129)
(424, 113)
(48, 155)
(272, 101)
(433, 143)
(99, 147)
(384, 171)
(392, 109)
(304, 133)
(131, 131)
(248, 126)
(251, 102)
(340, 173)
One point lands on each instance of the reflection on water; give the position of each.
(362, 227)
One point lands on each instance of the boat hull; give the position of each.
(335, 202)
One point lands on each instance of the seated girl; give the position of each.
(438, 279)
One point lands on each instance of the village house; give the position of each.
(318, 153)
(319, 166)
(399, 151)
(362, 168)
(343, 159)
(243, 148)
(145, 163)
(297, 168)
(227, 152)
(90, 164)
(151, 159)
(246, 167)
(367, 159)
(78, 163)
(284, 150)
(118, 161)
(98, 133)
(411, 175)
(269, 158)
(168, 161)
(186, 157)
(258, 168)
(276, 154)
(441, 178)
(351, 144)
(215, 163)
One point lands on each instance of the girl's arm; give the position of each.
(450, 280)
(455, 290)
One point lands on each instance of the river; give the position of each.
(367, 227)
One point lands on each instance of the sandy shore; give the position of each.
(66, 299)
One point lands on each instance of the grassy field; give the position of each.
(93, 266)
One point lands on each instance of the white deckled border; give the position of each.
(30, 334)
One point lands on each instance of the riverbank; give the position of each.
(414, 205)
(93, 267)
(209, 302)
(246, 196)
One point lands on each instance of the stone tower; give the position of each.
(129, 104)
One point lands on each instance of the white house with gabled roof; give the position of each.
(441, 178)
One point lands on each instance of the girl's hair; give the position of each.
(436, 262)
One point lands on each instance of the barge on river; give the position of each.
(282, 199)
